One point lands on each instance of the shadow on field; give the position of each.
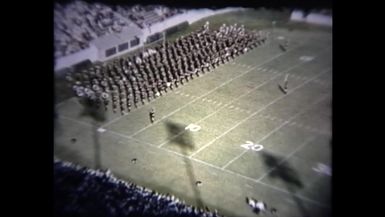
(183, 138)
(281, 170)
(98, 116)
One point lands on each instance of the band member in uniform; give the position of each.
(152, 115)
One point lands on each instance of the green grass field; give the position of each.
(203, 129)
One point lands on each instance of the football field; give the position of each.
(233, 129)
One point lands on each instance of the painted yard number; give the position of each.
(250, 145)
(193, 127)
(322, 168)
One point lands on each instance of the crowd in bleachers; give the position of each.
(79, 191)
(145, 16)
(129, 81)
(78, 23)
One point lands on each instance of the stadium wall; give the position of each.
(90, 53)
(314, 18)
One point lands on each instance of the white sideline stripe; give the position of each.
(58, 105)
(222, 107)
(225, 83)
(307, 141)
(284, 123)
(207, 164)
(258, 110)
(259, 182)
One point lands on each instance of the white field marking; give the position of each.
(284, 123)
(323, 169)
(228, 171)
(121, 116)
(74, 120)
(193, 128)
(272, 78)
(223, 107)
(287, 157)
(209, 92)
(286, 77)
(63, 102)
(259, 182)
(249, 186)
(209, 165)
(247, 71)
(295, 195)
(101, 130)
(306, 58)
(212, 141)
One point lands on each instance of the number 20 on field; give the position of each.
(250, 145)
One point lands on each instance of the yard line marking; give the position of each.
(274, 130)
(225, 83)
(207, 164)
(260, 182)
(235, 99)
(290, 68)
(306, 142)
(58, 105)
(222, 107)
(74, 120)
